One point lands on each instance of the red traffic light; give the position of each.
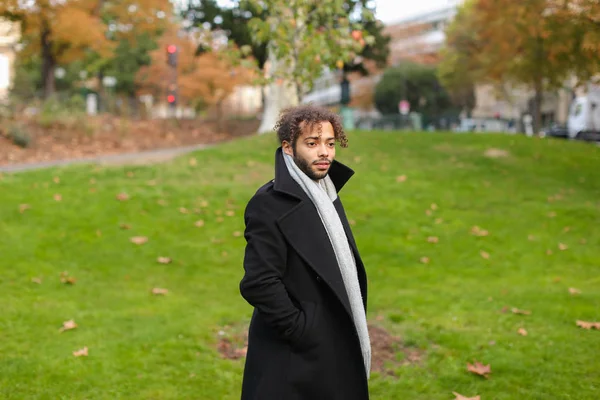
(171, 49)
(171, 98)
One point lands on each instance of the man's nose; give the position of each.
(323, 150)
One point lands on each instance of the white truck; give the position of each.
(584, 116)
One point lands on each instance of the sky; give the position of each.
(394, 10)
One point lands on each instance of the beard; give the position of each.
(305, 167)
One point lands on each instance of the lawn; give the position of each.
(453, 239)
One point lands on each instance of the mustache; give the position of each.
(323, 160)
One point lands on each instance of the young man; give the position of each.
(308, 338)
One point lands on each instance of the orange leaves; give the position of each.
(199, 223)
(68, 325)
(122, 196)
(480, 369)
(401, 178)
(574, 291)
(522, 312)
(588, 325)
(159, 291)
(65, 278)
(163, 260)
(522, 332)
(461, 397)
(57, 197)
(81, 353)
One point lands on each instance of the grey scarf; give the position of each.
(322, 194)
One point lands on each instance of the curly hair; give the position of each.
(288, 126)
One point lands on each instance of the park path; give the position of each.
(136, 158)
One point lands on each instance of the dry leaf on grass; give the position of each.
(424, 260)
(125, 226)
(68, 325)
(484, 254)
(161, 202)
(428, 212)
(56, 179)
(23, 207)
(574, 291)
(193, 162)
(531, 237)
(159, 291)
(36, 280)
(522, 332)
(480, 369)
(122, 196)
(151, 182)
(130, 174)
(461, 397)
(65, 278)
(164, 260)
(139, 240)
(562, 246)
(57, 197)
(588, 325)
(432, 239)
(237, 233)
(83, 352)
(183, 210)
(230, 213)
(439, 220)
(401, 178)
(433, 206)
(477, 231)
(220, 219)
(199, 223)
(522, 312)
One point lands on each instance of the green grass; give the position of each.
(164, 347)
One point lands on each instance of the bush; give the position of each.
(19, 136)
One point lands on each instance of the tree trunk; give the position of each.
(277, 97)
(537, 106)
(48, 62)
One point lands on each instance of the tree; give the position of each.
(62, 32)
(413, 82)
(202, 80)
(529, 42)
(247, 21)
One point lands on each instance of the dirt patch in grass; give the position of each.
(387, 351)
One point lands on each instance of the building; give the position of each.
(9, 37)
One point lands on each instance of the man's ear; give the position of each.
(287, 148)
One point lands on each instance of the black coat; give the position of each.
(302, 343)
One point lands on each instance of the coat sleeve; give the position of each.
(264, 265)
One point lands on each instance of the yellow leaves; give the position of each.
(81, 353)
(36, 280)
(65, 278)
(522, 332)
(477, 231)
(401, 178)
(139, 240)
(68, 325)
(57, 197)
(159, 291)
(199, 223)
(562, 246)
(164, 260)
(432, 239)
(484, 254)
(574, 291)
(522, 312)
(424, 260)
(479, 369)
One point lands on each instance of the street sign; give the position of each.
(404, 107)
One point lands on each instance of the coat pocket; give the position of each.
(308, 338)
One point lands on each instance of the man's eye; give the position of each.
(332, 144)
(311, 144)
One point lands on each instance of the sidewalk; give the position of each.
(143, 157)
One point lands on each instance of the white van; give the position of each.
(584, 116)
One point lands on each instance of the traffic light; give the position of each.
(172, 55)
(172, 95)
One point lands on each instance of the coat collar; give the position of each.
(339, 173)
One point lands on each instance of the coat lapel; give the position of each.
(304, 230)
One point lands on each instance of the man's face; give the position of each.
(313, 152)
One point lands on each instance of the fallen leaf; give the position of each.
(130, 174)
(159, 291)
(552, 214)
(125, 226)
(218, 212)
(549, 252)
(139, 240)
(401, 178)
(439, 220)
(224, 254)
(122, 197)
(484, 254)
(522, 332)
(57, 197)
(588, 325)
(161, 202)
(220, 219)
(98, 233)
(237, 233)
(23, 207)
(424, 260)
(428, 212)
(68, 325)
(566, 229)
(204, 204)
(36, 280)
(183, 210)
(477, 231)
(193, 162)
(574, 291)
(352, 222)
(92, 190)
(434, 206)
(164, 260)
(151, 182)
(81, 352)
(531, 237)
(562, 246)
(230, 213)
(517, 311)
(92, 181)
(56, 179)
(583, 241)
(199, 223)
(432, 239)
(65, 278)
(480, 369)
(461, 397)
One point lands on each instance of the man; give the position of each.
(308, 338)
